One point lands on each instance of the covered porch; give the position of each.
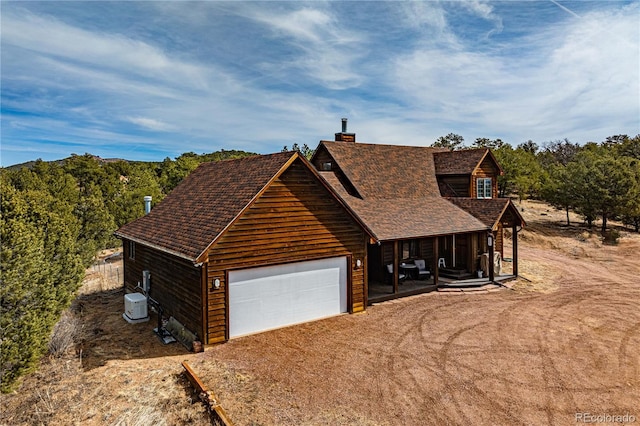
(453, 261)
(380, 292)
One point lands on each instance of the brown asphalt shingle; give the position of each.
(399, 194)
(458, 162)
(387, 171)
(203, 204)
(488, 211)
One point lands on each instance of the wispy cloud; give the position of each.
(150, 123)
(328, 50)
(160, 78)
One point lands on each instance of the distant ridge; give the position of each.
(222, 154)
(30, 164)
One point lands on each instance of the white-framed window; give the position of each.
(484, 188)
(132, 250)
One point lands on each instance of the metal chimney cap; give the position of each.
(148, 198)
(344, 125)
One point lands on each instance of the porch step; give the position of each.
(457, 289)
(458, 274)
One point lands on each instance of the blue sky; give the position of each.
(148, 80)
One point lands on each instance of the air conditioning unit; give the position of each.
(135, 308)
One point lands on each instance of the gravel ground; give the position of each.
(564, 342)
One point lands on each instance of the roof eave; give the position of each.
(155, 246)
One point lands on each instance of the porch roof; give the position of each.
(490, 212)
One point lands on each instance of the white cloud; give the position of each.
(50, 38)
(402, 73)
(150, 123)
(330, 50)
(587, 70)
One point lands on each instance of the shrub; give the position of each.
(611, 237)
(65, 334)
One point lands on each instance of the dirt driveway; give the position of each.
(537, 354)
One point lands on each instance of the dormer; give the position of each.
(469, 173)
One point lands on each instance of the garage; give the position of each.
(276, 296)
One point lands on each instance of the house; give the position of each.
(242, 246)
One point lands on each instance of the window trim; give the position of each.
(484, 188)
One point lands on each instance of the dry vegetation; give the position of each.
(103, 371)
(565, 339)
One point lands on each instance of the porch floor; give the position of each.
(379, 292)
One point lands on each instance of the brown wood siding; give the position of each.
(426, 250)
(499, 233)
(175, 283)
(487, 169)
(295, 219)
(462, 251)
(457, 186)
(387, 254)
(321, 157)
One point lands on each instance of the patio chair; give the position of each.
(401, 276)
(423, 272)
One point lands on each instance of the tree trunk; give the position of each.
(604, 223)
(567, 210)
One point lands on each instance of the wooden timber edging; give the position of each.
(207, 397)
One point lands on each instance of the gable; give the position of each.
(295, 216)
(204, 204)
(465, 162)
(487, 167)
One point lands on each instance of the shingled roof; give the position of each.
(386, 171)
(194, 214)
(488, 211)
(461, 162)
(397, 194)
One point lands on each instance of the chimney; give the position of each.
(147, 204)
(344, 136)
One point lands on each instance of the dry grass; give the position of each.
(66, 334)
(105, 371)
(566, 338)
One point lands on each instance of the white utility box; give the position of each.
(135, 308)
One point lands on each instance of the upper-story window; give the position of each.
(484, 188)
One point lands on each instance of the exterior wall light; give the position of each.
(490, 240)
(216, 283)
(358, 263)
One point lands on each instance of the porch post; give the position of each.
(396, 266)
(491, 242)
(514, 248)
(436, 253)
(453, 250)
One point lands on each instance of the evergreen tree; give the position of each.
(40, 273)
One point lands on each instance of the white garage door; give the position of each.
(276, 296)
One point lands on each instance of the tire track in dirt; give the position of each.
(632, 376)
(397, 384)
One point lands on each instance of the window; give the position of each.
(410, 249)
(484, 188)
(132, 250)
